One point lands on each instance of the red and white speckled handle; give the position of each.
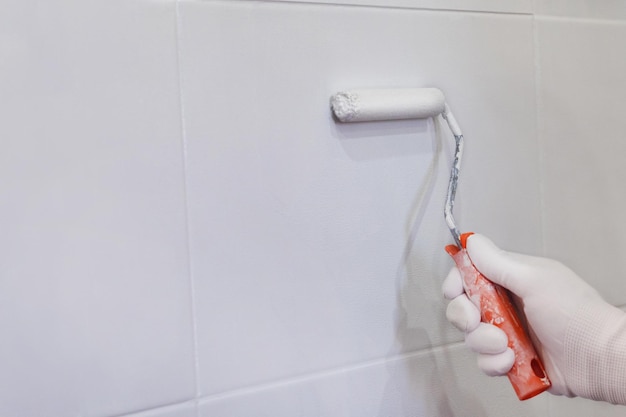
(527, 375)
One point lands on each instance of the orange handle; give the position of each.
(527, 375)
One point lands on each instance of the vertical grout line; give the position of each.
(183, 132)
(539, 126)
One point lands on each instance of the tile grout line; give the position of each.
(578, 20)
(311, 376)
(539, 135)
(374, 6)
(192, 289)
(150, 410)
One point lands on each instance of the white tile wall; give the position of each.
(313, 250)
(300, 227)
(94, 284)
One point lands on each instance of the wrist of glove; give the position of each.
(580, 338)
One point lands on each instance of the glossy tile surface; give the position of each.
(582, 92)
(94, 297)
(317, 245)
(436, 384)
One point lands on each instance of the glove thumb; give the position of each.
(503, 268)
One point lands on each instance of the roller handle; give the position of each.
(527, 375)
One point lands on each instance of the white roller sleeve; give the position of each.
(387, 104)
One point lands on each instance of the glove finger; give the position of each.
(499, 266)
(487, 339)
(463, 314)
(496, 365)
(452, 286)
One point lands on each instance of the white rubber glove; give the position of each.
(580, 337)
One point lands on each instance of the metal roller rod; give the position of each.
(408, 103)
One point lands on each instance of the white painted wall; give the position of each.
(186, 231)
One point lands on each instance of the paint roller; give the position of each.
(527, 376)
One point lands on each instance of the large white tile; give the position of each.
(582, 94)
(94, 297)
(441, 384)
(316, 245)
(512, 6)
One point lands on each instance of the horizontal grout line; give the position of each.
(282, 382)
(164, 407)
(372, 6)
(579, 20)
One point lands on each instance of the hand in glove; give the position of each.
(580, 337)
